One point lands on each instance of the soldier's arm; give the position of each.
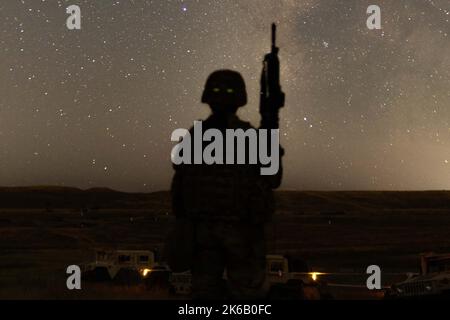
(177, 193)
(177, 188)
(276, 183)
(275, 180)
(270, 121)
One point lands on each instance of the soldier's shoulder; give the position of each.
(191, 129)
(241, 124)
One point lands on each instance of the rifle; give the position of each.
(272, 98)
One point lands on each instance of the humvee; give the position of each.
(282, 281)
(433, 281)
(123, 266)
(287, 278)
(181, 283)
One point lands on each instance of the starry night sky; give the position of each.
(96, 107)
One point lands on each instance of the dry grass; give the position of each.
(334, 231)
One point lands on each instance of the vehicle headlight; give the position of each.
(315, 275)
(146, 272)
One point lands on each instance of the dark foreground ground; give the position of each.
(43, 230)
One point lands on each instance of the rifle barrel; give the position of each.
(274, 35)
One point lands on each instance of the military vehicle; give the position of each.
(284, 280)
(433, 281)
(181, 283)
(287, 278)
(124, 267)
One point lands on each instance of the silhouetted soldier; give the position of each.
(226, 207)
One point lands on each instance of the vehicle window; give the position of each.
(144, 259)
(276, 266)
(124, 258)
(439, 266)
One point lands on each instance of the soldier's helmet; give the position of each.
(225, 87)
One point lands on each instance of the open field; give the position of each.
(43, 230)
